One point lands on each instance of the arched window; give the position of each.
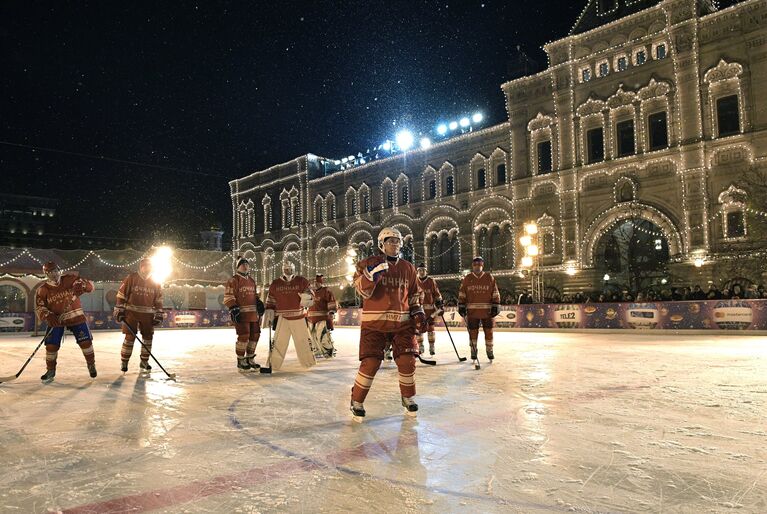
(365, 201)
(12, 299)
(405, 195)
(432, 189)
(389, 198)
(407, 250)
(481, 179)
(450, 186)
(296, 211)
(500, 174)
(317, 210)
(434, 255)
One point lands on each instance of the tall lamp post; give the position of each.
(530, 260)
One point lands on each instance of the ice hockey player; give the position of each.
(321, 315)
(431, 301)
(58, 304)
(245, 308)
(478, 303)
(391, 310)
(289, 297)
(138, 306)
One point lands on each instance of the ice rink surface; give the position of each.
(560, 422)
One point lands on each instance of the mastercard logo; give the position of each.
(676, 318)
(590, 310)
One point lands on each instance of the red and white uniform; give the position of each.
(429, 295)
(140, 295)
(324, 304)
(61, 301)
(479, 293)
(388, 303)
(241, 291)
(285, 297)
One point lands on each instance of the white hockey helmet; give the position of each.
(386, 233)
(289, 265)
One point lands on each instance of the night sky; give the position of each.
(206, 92)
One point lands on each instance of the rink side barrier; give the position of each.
(717, 315)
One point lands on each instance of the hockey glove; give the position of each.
(420, 322)
(374, 272)
(462, 311)
(268, 318)
(495, 310)
(307, 299)
(119, 314)
(52, 320)
(78, 287)
(329, 322)
(157, 319)
(260, 307)
(439, 304)
(234, 313)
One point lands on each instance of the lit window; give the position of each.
(585, 74)
(604, 69)
(623, 64)
(660, 51)
(640, 57)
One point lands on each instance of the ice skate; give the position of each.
(431, 348)
(144, 367)
(411, 408)
(421, 349)
(474, 359)
(48, 377)
(358, 411)
(242, 364)
(387, 354)
(92, 370)
(124, 366)
(252, 363)
(490, 355)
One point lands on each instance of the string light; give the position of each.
(638, 105)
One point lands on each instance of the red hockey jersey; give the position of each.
(324, 304)
(389, 302)
(285, 297)
(61, 300)
(241, 291)
(140, 294)
(429, 294)
(478, 293)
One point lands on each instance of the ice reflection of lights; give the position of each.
(535, 371)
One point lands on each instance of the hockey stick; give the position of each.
(427, 361)
(14, 377)
(171, 376)
(460, 359)
(268, 369)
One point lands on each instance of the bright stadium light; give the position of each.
(425, 143)
(161, 264)
(404, 140)
(527, 261)
(464, 122)
(441, 129)
(386, 146)
(453, 125)
(477, 117)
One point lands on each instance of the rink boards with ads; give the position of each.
(720, 315)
